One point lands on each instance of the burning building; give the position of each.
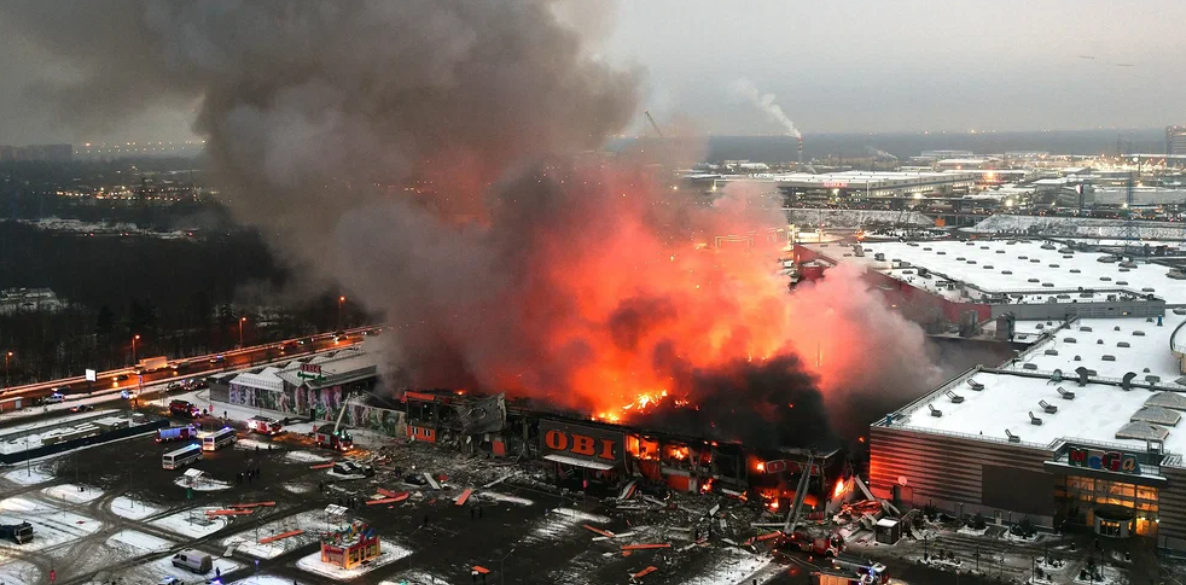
(606, 458)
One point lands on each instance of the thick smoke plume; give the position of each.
(435, 157)
(767, 102)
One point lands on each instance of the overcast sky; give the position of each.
(842, 66)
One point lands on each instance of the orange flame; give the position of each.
(839, 489)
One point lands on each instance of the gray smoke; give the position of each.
(312, 109)
(767, 102)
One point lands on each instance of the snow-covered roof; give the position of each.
(1007, 403)
(1001, 265)
(265, 380)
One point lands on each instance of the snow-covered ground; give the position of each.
(139, 542)
(51, 524)
(125, 507)
(266, 579)
(414, 577)
(73, 493)
(732, 567)
(501, 497)
(154, 571)
(854, 218)
(312, 563)
(192, 523)
(312, 522)
(29, 474)
(18, 572)
(306, 457)
(1077, 226)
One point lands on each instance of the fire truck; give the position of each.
(265, 425)
(825, 545)
(176, 433)
(184, 409)
(327, 437)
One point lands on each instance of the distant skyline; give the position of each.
(857, 66)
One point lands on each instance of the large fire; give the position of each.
(603, 291)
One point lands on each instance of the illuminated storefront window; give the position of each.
(1082, 496)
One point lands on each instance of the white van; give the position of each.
(194, 560)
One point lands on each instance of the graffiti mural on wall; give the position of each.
(324, 402)
(380, 420)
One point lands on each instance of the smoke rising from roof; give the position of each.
(766, 102)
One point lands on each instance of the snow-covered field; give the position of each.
(156, 570)
(501, 497)
(18, 572)
(31, 475)
(139, 542)
(192, 523)
(72, 493)
(732, 567)
(415, 577)
(312, 563)
(125, 507)
(51, 525)
(854, 218)
(306, 457)
(1077, 226)
(266, 580)
(312, 522)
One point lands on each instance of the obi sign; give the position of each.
(1103, 460)
(579, 441)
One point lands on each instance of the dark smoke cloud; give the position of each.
(315, 108)
(774, 403)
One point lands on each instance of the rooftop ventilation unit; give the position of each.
(1138, 333)
(955, 398)
(1047, 407)
(935, 412)
(1037, 422)
(1029, 366)
(1012, 438)
(977, 386)
(1070, 340)
(1157, 415)
(1142, 431)
(1167, 400)
(1048, 246)
(1126, 381)
(1152, 379)
(1083, 373)
(1109, 358)
(1051, 352)
(1123, 344)
(1066, 394)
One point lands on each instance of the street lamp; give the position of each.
(7, 356)
(242, 320)
(502, 574)
(341, 301)
(135, 338)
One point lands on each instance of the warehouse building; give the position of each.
(1080, 429)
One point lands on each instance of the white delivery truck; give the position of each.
(152, 364)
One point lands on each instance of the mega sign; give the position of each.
(1103, 460)
(586, 442)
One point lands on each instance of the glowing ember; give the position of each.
(839, 489)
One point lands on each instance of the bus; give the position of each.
(182, 457)
(213, 441)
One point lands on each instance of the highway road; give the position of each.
(192, 367)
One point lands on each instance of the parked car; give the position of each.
(82, 408)
(55, 398)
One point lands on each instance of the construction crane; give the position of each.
(650, 119)
(796, 512)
